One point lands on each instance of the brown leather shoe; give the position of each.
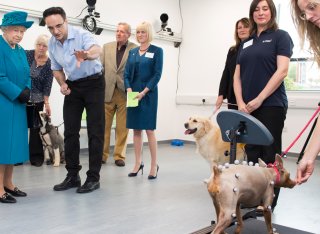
(120, 163)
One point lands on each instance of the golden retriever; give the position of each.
(209, 141)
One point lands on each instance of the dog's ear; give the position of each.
(207, 125)
(279, 161)
(261, 163)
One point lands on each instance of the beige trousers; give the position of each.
(116, 106)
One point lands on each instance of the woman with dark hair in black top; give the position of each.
(241, 32)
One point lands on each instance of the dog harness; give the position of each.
(43, 134)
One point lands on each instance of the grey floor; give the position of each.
(176, 202)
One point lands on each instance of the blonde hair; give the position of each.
(306, 30)
(42, 39)
(145, 26)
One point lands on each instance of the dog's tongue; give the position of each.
(187, 132)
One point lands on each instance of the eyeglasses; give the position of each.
(58, 27)
(310, 8)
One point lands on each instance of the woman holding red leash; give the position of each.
(306, 16)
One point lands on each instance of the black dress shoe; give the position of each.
(88, 187)
(120, 163)
(15, 192)
(36, 164)
(6, 198)
(69, 182)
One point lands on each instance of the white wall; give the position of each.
(207, 31)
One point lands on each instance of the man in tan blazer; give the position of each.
(114, 57)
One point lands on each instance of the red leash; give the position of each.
(305, 127)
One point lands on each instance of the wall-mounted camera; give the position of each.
(89, 21)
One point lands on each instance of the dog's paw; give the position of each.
(56, 164)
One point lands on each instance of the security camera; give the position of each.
(91, 6)
(164, 20)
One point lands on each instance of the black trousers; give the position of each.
(36, 155)
(85, 94)
(273, 118)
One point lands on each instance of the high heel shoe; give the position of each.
(133, 174)
(151, 177)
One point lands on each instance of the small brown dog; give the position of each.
(209, 141)
(249, 186)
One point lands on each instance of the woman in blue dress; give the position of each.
(14, 94)
(142, 74)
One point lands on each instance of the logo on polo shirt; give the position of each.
(267, 41)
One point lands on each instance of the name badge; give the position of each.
(248, 43)
(149, 55)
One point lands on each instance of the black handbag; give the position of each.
(33, 116)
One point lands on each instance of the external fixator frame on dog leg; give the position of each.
(238, 127)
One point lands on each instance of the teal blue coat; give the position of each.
(141, 72)
(14, 77)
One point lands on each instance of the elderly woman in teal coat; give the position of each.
(142, 74)
(14, 93)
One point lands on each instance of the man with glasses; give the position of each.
(75, 64)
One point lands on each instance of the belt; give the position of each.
(91, 77)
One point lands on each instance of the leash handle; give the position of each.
(213, 113)
(216, 110)
(59, 125)
(305, 127)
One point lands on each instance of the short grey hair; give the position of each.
(4, 28)
(43, 39)
(128, 27)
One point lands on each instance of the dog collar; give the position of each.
(274, 166)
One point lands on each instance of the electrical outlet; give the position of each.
(292, 102)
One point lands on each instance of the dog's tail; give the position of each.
(214, 183)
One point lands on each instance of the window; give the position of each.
(304, 73)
